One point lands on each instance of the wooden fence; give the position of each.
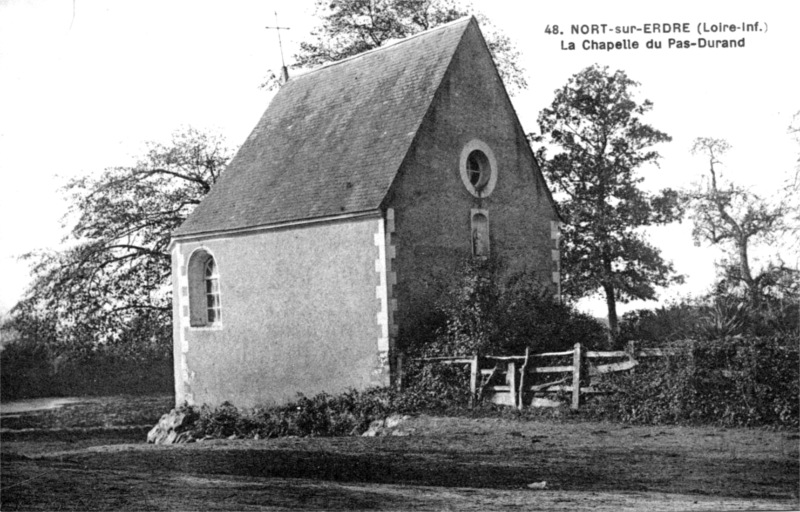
(512, 380)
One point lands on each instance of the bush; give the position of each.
(432, 387)
(488, 314)
(485, 313)
(25, 371)
(29, 370)
(321, 415)
(741, 381)
(654, 327)
(530, 317)
(105, 372)
(718, 315)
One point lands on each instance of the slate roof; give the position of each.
(333, 139)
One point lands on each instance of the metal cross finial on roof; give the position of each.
(284, 70)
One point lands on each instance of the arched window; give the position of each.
(204, 290)
(480, 233)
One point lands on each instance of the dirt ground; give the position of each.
(443, 464)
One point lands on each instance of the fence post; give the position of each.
(399, 369)
(473, 380)
(511, 377)
(630, 348)
(576, 377)
(522, 371)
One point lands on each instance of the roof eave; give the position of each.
(224, 233)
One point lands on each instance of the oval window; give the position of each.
(478, 168)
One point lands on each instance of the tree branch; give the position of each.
(150, 172)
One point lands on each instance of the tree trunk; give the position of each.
(613, 323)
(744, 269)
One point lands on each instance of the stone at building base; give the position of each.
(172, 428)
(387, 427)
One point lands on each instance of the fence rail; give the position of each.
(516, 388)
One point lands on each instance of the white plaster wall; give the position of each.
(302, 312)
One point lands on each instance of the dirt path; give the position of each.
(445, 464)
(37, 404)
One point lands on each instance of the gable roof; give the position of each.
(333, 139)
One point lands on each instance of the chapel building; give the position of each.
(345, 215)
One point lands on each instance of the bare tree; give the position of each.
(792, 190)
(730, 216)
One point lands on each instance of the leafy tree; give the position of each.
(350, 27)
(597, 124)
(110, 286)
(732, 217)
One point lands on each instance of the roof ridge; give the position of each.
(463, 19)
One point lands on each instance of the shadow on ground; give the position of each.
(456, 459)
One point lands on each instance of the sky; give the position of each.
(85, 83)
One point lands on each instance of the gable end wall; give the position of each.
(433, 207)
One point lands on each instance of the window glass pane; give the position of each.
(210, 314)
(473, 168)
(478, 168)
(474, 177)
